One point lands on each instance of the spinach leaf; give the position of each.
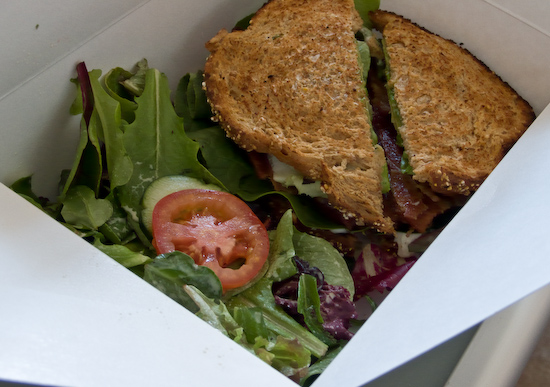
(281, 250)
(286, 242)
(231, 166)
(225, 160)
(244, 22)
(190, 100)
(321, 254)
(116, 229)
(169, 272)
(23, 187)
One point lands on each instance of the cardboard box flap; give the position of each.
(71, 316)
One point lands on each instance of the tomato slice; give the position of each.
(216, 229)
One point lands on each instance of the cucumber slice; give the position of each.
(165, 186)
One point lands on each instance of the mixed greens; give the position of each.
(131, 135)
(299, 313)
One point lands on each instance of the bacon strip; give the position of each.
(407, 201)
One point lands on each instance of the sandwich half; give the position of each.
(292, 85)
(456, 119)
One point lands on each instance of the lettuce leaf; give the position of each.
(82, 209)
(215, 314)
(121, 253)
(364, 7)
(286, 355)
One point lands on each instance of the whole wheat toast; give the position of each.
(458, 117)
(291, 85)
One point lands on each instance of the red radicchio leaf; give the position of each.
(379, 269)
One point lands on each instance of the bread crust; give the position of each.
(290, 85)
(458, 117)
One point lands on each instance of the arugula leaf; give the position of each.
(83, 210)
(157, 144)
(89, 170)
(135, 84)
(247, 327)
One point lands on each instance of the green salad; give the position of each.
(140, 146)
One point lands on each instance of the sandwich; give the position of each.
(295, 84)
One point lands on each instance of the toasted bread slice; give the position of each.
(458, 119)
(291, 85)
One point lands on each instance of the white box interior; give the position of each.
(73, 317)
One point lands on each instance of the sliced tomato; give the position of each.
(216, 229)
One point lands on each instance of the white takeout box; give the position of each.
(69, 315)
